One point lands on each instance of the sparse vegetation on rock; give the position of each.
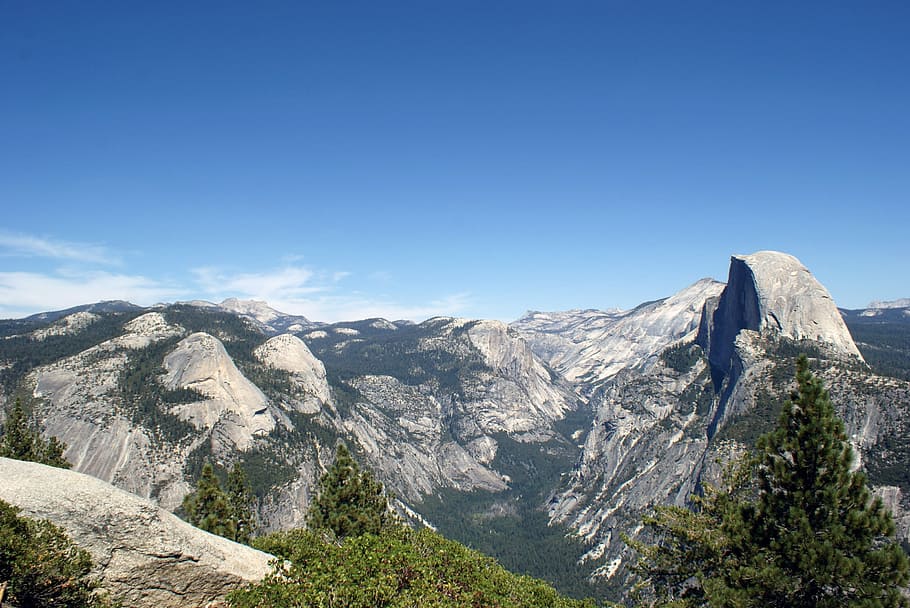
(23, 441)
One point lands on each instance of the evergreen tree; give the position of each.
(684, 569)
(240, 500)
(350, 501)
(208, 508)
(40, 565)
(815, 536)
(18, 440)
(805, 532)
(23, 441)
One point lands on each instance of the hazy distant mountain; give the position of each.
(902, 303)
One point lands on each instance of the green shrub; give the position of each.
(42, 566)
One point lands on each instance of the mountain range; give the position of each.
(541, 441)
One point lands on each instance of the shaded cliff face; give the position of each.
(772, 293)
(145, 556)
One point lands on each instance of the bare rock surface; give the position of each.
(772, 293)
(289, 353)
(200, 362)
(145, 556)
(590, 346)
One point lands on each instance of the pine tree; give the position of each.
(240, 500)
(23, 441)
(18, 440)
(815, 536)
(805, 532)
(685, 568)
(350, 501)
(41, 566)
(208, 508)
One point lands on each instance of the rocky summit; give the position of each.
(563, 428)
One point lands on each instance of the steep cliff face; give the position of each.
(144, 556)
(772, 293)
(661, 425)
(769, 295)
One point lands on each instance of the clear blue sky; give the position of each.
(406, 159)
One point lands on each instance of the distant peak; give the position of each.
(901, 303)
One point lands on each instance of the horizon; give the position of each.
(404, 161)
(874, 304)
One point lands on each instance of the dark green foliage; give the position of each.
(145, 397)
(225, 512)
(241, 502)
(19, 353)
(807, 534)
(238, 334)
(682, 357)
(23, 441)
(266, 469)
(42, 567)
(883, 339)
(748, 426)
(400, 353)
(692, 544)
(700, 392)
(350, 502)
(888, 465)
(396, 568)
(818, 537)
(513, 526)
(208, 508)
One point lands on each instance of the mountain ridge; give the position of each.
(615, 410)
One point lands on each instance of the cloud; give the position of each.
(25, 293)
(23, 245)
(315, 295)
(332, 308)
(290, 281)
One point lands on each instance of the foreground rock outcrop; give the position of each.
(144, 555)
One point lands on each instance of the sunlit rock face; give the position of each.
(289, 353)
(144, 555)
(77, 401)
(659, 428)
(772, 293)
(589, 346)
(200, 362)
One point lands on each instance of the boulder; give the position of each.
(145, 556)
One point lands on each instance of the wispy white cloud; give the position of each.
(25, 293)
(26, 245)
(341, 307)
(317, 295)
(290, 281)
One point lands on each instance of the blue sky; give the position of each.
(407, 159)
